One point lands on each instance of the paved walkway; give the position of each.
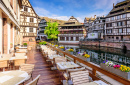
(48, 77)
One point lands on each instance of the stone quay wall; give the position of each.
(119, 45)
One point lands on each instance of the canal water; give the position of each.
(99, 54)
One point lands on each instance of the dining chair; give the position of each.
(80, 77)
(59, 59)
(28, 68)
(3, 64)
(35, 81)
(19, 62)
(68, 71)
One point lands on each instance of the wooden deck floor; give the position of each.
(48, 77)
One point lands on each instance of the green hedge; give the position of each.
(24, 43)
(42, 43)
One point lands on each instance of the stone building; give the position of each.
(9, 24)
(28, 23)
(42, 24)
(118, 22)
(71, 32)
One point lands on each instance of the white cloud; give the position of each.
(41, 11)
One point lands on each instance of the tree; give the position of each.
(51, 30)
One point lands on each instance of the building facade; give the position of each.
(28, 23)
(9, 24)
(42, 24)
(118, 22)
(71, 32)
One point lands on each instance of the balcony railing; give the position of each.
(28, 13)
(29, 34)
(70, 29)
(94, 67)
(29, 24)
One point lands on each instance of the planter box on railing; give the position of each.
(69, 52)
(118, 72)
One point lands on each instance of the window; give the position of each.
(128, 30)
(117, 38)
(67, 38)
(31, 19)
(30, 29)
(109, 31)
(71, 39)
(118, 17)
(25, 9)
(112, 18)
(77, 38)
(119, 23)
(124, 16)
(109, 25)
(124, 23)
(62, 38)
(120, 30)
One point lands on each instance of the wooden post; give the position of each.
(94, 73)
(64, 55)
(74, 60)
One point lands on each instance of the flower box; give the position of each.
(118, 72)
(69, 52)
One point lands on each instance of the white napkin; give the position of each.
(5, 78)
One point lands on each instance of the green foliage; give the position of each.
(42, 43)
(24, 43)
(52, 30)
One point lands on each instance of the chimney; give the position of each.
(113, 5)
(95, 16)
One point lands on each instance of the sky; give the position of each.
(64, 9)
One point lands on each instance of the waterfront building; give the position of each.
(71, 32)
(28, 23)
(9, 24)
(95, 25)
(42, 24)
(118, 22)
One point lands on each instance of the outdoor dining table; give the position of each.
(51, 57)
(13, 77)
(99, 82)
(66, 65)
(13, 58)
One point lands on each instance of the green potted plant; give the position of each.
(25, 44)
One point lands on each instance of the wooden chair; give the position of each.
(80, 77)
(59, 59)
(68, 71)
(3, 64)
(28, 68)
(35, 81)
(19, 62)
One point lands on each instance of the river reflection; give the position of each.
(98, 55)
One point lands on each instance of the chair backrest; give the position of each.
(80, 77)
(19, 62)
(59, 59)
(68, 71)
(27, 67)
(3, 64)
(35, 81)
(6, 55)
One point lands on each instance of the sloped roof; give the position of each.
(52, 20)
(116, 9)
(87, 18)
(73, 19)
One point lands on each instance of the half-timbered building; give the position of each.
(28, 23)
(118, 22)
(71, 32)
